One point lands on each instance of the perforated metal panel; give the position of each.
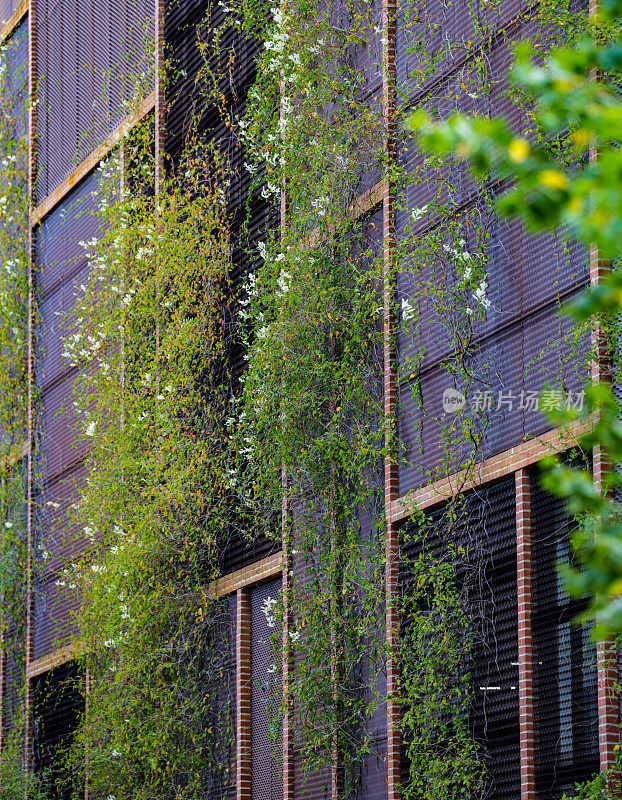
(522, 344)
(63, 271)
(7, 9)
(15, 56)
(566, 700)
(95, 60)
(219, 778)
(187, 24)
(266, 764)
(486, 574)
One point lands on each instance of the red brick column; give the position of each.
(87, 691)
(2, 669)
(243, 695)
(389, 12)
(525, 655)
(608, 701)
(33, 77)
(608, 708)
(286, 527)
(288, 663)
(160, 98)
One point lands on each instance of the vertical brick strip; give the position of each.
(389, 13)
(159, 124)
(3, 623)
(160, 98)
(33, 77)
(336, 649)
(286, 527)
(608, 708)
(525, 654)
(243, 695)
(87, 691)
(288, 665)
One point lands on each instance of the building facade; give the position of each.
(544, 708)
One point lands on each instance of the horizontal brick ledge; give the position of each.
(490, 469)
(253, 573)
(56, 659)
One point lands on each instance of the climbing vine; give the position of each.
(188, 452)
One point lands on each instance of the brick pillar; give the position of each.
(525, 654)
(160, 98)
(608, 708)
(286, 527)
(335, 600)
(288, 663)
(243, 685)
(87, 690)
(389, 12)
(33, 77)
(608, 701)
(2, 670)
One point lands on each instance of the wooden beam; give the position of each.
(92, 160)
(55, 659)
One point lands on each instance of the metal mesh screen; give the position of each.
(266, 769)
(219, 779)
(191, 116)
(63, 273)
(483, 531)
(7, 9)
(523, 342)
(14, 604)
(95, 61)
(566, 699)
(15, 56)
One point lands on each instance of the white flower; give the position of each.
(263, 251)
(8, 524)
(479, 295)
(321, 205)
(283, 282)
(417, 213)
(90, 428)
(408, 310)
(267, 606)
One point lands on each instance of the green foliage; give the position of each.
(572, 109)
(187, 451)
(14, 208)
(15, 782)
(152, 345)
